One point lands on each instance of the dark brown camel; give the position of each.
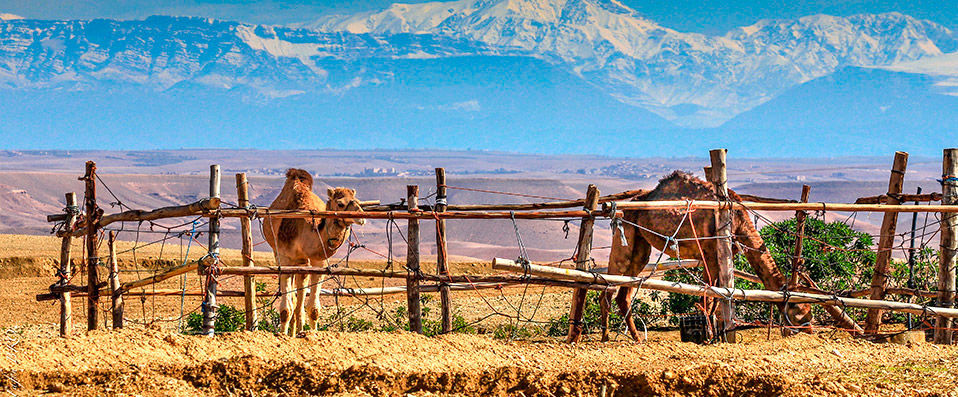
(631, 259)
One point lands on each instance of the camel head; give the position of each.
(344, 199)
(797, 314)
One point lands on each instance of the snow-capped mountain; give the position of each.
(451, 72)
(693, 79)
(164, 52)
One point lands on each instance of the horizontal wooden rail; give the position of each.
(201, 207)
(882, 199)
(717, 292)
(301, 214)
(514, 207)
(173, 272)
(323, 292)
(760, 199)
(711, 205)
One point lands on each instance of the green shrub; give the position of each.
(227, 319)
(836, 257)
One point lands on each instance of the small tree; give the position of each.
(836, 258)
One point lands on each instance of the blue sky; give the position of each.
(684, 15)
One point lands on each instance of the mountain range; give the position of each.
(485, 74)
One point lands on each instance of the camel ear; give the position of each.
(330, 192)
(353, 192)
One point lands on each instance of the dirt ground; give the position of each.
(151, 357)
(150, 362)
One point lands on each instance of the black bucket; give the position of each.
(694, 328)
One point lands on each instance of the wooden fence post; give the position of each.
(885, 242)
(797, 261)
(249, 283)
(412, 262)
(116, 307)
(583, 256)
(66, 268)
(208, 270)
(911, 257)
(442, 258)
(725, 323)
(92, 217)
(949, 244)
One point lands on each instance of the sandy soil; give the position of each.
(146, 362)
(151, 358)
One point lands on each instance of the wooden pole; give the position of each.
(66, 269)
(917, 198)
(911, 257)
(949, 244)
(885, 242)
(209, 268)
(508, 207)
(198, 208)
(406, 214)
(842, 319)
(339, 271)
(412, 262)
(93, 277)
(582, 258)
(555, 273)
(442, 258)
(712, 205)
(173, 272)
(797, 260)
(249, 283)
(116, 307)
(725, 323)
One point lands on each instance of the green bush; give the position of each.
(836, 256)
(850, 266)
(227, 319)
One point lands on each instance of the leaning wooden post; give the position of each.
(885, 241)
(725, 323)
(442, 258)
(949, 244)
(582, 258)
(92, 219)
(208, 270)
(66, 268)
(116, 307)
(249, 284)
(797, 261)
(842, 319)
(412, 262)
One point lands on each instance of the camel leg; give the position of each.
(299, 315)
(605, 300)
(284, 303)
(619, 260)
(641, 250)
(624, 299)
(313, 304)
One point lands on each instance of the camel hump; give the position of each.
(300, 175)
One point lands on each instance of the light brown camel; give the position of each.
(298, 242)
(631, 259)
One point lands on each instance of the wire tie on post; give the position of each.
(617, 225)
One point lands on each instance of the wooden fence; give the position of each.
(90, 222)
